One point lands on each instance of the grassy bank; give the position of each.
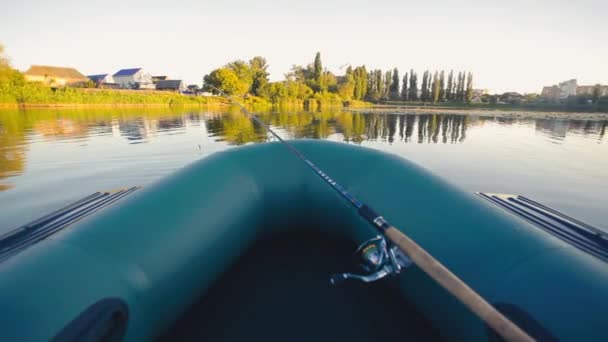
(35, 95)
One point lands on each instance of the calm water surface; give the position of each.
(49, 158)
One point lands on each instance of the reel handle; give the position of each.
(337, 279)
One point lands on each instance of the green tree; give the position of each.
(12, 82)
(318, 66)
(394, 88)
(413, 93)
(296, 74)
(327, 82)
(259, 72)
(450, 89)
(360, 75)
(375, 85)
(349, 71)
(469, 90)
(386, 89)
(242, 70)
(436, 87)
(346, 88)
(226, 80)
(459, 87)
(424, 96)
(404, 88)
(442, 91)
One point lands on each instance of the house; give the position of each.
(54, 76)
(567, 88)
(135, 78)
(561, 91)
(590, 90)
(172, 85)
(551, 93)
(101, 79)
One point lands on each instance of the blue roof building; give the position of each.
(135, 78)
(127, 72)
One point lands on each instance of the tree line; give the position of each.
(313, 81)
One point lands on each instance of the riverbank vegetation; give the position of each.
(313, 85)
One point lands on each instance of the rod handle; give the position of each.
(449, 281)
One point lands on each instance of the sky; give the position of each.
(511, 45)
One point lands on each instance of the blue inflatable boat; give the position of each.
(241, 246)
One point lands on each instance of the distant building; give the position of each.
(101, 79)
(172, 85)
(551, 93)
(478, 95)
(135, 78)
(568, 88)
(590, 89)
(156, 79)
(54, 76)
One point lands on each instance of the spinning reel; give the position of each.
(378, 258)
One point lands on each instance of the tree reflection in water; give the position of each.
(18, 129)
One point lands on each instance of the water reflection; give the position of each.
(558, 129)
(19, 129)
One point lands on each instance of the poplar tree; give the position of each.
(394, 93)
(436, 89)
(404, 88)
(413, 93)
(429, 85)
(375, 85)
(424, 86)
(442, 86)
(349, 71)
(388, 80)
(469, 91)
(459, 87)
(371, 85)
(450, 89)
(318, 66)
(463, 86)
(360, 75)
(379, 84)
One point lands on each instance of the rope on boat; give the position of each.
(424, 260)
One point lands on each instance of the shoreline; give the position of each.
(404, 110)
(106, 105)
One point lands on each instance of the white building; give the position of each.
(590, 90)
(567, 88)
(135, 78)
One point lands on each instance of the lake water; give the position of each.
(51, 157)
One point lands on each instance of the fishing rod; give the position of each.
(418, 255)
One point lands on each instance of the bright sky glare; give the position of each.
(516, 45)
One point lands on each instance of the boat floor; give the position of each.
(279, 291)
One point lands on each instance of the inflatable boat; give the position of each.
(245, 245)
